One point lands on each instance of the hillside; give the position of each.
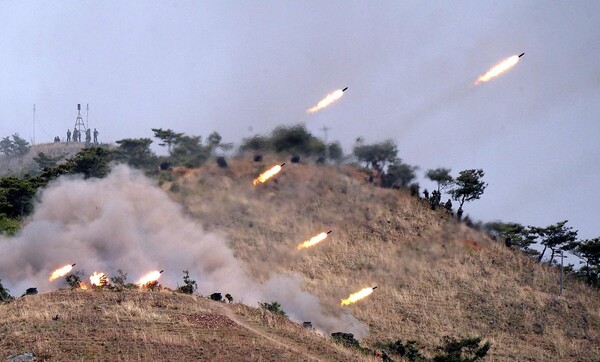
(436, 277)
(131, 325)
(23, 164)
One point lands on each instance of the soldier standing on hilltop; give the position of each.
(75, 134)
(88, 136)
(95, 136)
(68, 135)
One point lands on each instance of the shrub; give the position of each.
(273, 307)
(189, 286)
(462, 350)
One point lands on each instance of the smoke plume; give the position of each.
(125, 222)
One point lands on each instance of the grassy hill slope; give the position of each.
(436, 277)
(143, 326)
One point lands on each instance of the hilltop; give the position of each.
(18, 164)
(436, 277)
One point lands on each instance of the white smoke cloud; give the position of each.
(125, 222)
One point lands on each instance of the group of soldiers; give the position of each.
(77, 135)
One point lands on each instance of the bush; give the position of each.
(4, 293)
(462, 350)
(273, 307)
(408, 350)
(73, 280)
(221, 162)
(189, 286)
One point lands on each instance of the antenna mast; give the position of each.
(79, 124)
(33, 139)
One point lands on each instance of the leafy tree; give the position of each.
(189, 285)
(136, 152)
(45, 161)
(256, 143)
(589, 251)
(463, 350)
(273, 307)
(8, 226)
(20, 146)
(296, 140)
(189, 151)
(16, 146)
(383, 152)
(555, 237)
(409, 350)
(74, 281)
(4, 293)
(441, 176)
(399, 174)
(92, 162)
(469, 186)
(214, 142)
(168, 137)
(119, 280)
(16, 196)
(6, 146)
(515, 236)
(335, 152)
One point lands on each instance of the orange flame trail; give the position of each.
(98, 279)
(60, 272)
(267, 174)
(330, 98)
(148, 278)
(498, 69)
(313, 241)
(355, 297)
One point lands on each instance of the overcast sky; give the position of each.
(242, 68)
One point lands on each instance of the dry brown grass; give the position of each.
(136, 325)
(25, 163)
(436, 277)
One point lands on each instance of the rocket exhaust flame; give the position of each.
(499, 69)
(329, 99)
(60, 272)
(149, 278)
(98, 279)
(355, 297)
(267, 174)
(313, 241)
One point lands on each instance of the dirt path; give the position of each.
(231, 315)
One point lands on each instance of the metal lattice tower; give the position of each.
(79, 124)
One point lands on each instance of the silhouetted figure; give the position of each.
(68, 135)
(222, 162)
(414, 189)
(435, 199)
(96, 136)
(56, 139)
(88, 135)
(459, 213)
(448, 205)
(257, 158)
(295, 159)
(426, 194)
(75, 135)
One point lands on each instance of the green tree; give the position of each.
(189, 151)
(468, 186)
(335, 152)
(214, 142)
(189, 285)
(514, 235)
(136, 152)
(4, 293)
(168, 137)
(441, 176)
(256, 143)
(296, 140)
(16, 196)
(589, 251)
(45, 161)
(20, 146)
(399, 174)
(92, 162)
(555, 237)
(383, 152)
(8, 226)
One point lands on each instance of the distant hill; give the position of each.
(18, 165)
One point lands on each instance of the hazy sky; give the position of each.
(242, 68)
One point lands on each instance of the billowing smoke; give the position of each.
(125, 222)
